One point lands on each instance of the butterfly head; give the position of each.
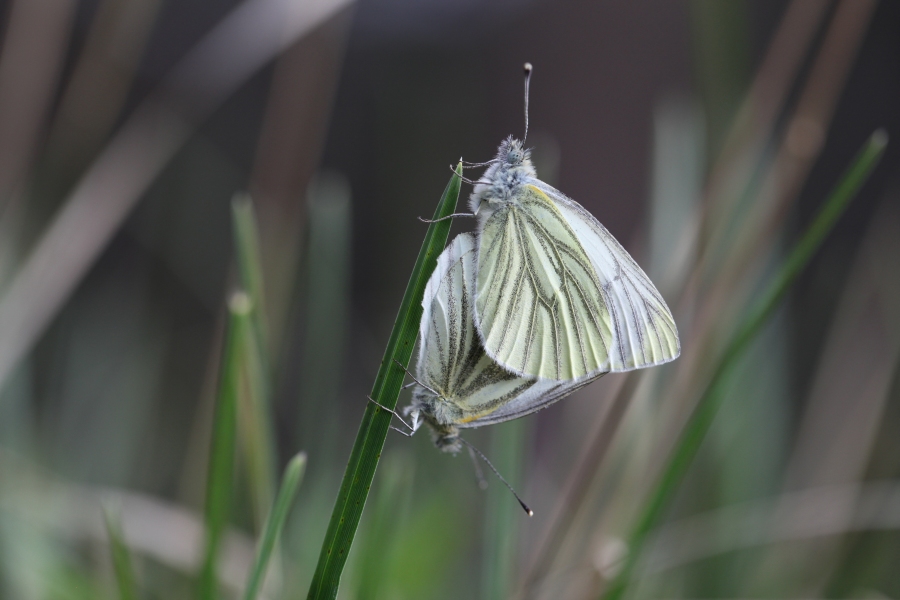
(515, 156)
(511, 167)
(512, 154)
(510, 170)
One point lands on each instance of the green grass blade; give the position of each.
(374, 427)
(221, 457)
(121, 557)
(380, 546)
(704, 412)
(255, 431)
(293, 475)
(503, 515)
(249, 262)
(327, 309)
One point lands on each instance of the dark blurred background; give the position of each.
(703, 134)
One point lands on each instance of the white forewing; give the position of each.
(539, 307)
(644, 332)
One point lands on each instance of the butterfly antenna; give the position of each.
(524, 506)
(479, 474)
(528, 69)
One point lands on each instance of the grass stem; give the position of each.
(375, 423)
(220, 478)
(704, 412)
(293, 475)
(121, 557)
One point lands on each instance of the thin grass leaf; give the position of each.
(256, 430)
(704, 412)
(221, 457)
(374, 427)
(293, 475)
(502, 517)
(326, 304)
(141, 147)
(249, 262)
(121, 557)
(381, 545)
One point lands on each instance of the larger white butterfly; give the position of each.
(556, 296)
(459, 386)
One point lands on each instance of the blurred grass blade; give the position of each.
(293, 475)
(327, 291)
(249, 259)
(256, 430)
(704, 412)
(221, 457)
(141, 148)
(121, 556)
(502, 516)
(381, 539)
(374, 427)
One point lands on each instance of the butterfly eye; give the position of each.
(515, 157)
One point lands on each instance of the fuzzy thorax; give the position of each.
(510, 170)
(440, 416)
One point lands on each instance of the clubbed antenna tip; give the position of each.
(472, 448)
(527, 69)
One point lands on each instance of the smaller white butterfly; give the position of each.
(459, 386)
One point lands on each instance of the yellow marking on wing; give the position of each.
(475, 416)
(540, 194)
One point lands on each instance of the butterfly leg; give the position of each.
(471, 214)
(416, 380)
(406, 433)
(447, 217)
(473, 165)
(466, 179)
(393, 412)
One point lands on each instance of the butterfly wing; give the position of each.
(451, 360)
(539, 396)
(643, 329)
(539, 307)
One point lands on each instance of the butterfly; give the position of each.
(538, 303)
(457, 384)
(556, 296)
